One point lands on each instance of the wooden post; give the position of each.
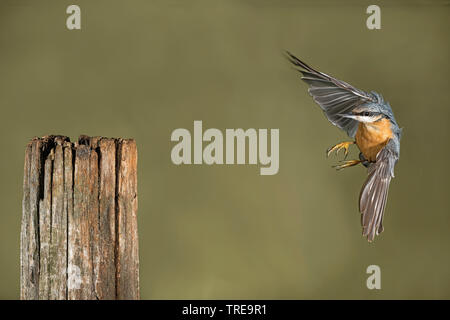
(79, 235)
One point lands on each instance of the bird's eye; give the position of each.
(366, 113)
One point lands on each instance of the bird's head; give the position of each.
(366, 113)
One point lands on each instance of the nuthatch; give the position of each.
(368, 119)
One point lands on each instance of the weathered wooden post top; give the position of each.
(79, 236)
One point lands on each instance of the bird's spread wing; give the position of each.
(374, 193)
(334, 96)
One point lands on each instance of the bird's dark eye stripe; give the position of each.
(367, 113)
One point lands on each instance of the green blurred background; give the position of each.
(141, 69)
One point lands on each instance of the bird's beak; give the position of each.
(350, 116)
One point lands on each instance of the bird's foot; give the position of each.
(343, 145)
(346, 164)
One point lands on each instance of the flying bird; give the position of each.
(367, 119)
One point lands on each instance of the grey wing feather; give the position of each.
(334, 96)
(374, 193)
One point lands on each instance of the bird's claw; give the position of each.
(346, 164)
(338, 147)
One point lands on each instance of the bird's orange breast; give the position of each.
(372, 137)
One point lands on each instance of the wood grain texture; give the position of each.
(127, 256)
(30, 230)
(58, 235)
(80, 264)
(24, 259)
(79, 237)
(45, 225)
(106, 280)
